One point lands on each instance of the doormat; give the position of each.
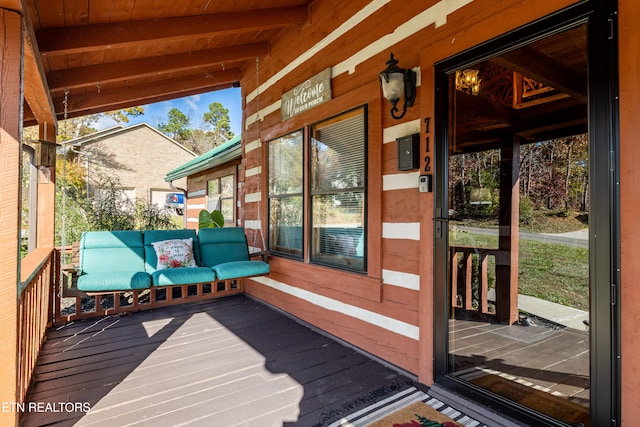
(386, 408)
(541, 400)
(418, 414)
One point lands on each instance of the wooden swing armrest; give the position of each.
(69, 268)
(264, 255)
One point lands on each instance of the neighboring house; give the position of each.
(138, 157)
(211, 182)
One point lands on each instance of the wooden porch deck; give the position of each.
(231, 361)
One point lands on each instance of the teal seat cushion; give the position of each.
(109, 251)
(236, 269)
(115, 280)
(182, 276)
(222, 245)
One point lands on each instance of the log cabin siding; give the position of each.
(352, 42)
(629, 46)
(197, 191)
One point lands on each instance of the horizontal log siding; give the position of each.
(400, 244)
(395, 348)
(197, 183)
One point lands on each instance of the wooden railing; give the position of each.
(37, 279)
(463, 294)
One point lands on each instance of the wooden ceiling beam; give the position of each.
(95, 37)
(533, 64)
(126, 70)
(36, 90)
(130, 96)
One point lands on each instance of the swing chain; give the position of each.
(63, 232)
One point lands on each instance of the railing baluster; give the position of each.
(468, 280)
(463, 286)
(484, 283)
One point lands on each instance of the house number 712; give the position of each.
(427, 158)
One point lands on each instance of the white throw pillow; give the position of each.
(174, 253)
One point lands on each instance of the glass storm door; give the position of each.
(514, 240)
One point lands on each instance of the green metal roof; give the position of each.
(221, 154)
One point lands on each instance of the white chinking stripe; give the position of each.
(401, 230)
(436, 14)
(262, 113)
(253, 224)
(400, 181)
(253, 171)
(194, 207)
(393, 325)
(400, 279)
(343, 29)
(403, 129)
(252, 197)
(253, 145)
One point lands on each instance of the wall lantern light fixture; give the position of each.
(397, 82)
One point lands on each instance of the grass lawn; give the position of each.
(554, 272)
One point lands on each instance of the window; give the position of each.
(285, 194)
(335, 195)
(220, 196)
(337, 190)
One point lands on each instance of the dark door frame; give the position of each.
(604, 258)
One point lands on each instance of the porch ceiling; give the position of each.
(113, 54)
(537, 92)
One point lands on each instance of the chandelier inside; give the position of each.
(467, 81)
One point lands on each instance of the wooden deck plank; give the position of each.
(231, 361)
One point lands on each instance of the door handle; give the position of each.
(438, 223)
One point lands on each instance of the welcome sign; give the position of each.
(306, 95)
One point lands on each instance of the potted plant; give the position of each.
(213, 219)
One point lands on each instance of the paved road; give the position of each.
(576, 239)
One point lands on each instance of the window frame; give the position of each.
(310, 193)
(307, 194)
(218, 178)
(273, 250)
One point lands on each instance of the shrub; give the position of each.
(109, 210)
(526, 210)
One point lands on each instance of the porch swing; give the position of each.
(141, 266)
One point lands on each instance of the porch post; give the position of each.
(10, 177)
(45, 237)
(508, 218)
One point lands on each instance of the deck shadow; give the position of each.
(232, 361)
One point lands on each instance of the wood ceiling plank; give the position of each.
(86, 76)
(98, 11)
(76, 12)
(50, 13)
(60, 41)
(141, 10)
(121, 10)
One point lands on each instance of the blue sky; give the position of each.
(193, 106)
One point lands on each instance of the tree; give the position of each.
(81, 126)
(177, 126)
(218, 118)
(122, 116)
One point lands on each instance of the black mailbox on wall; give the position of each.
(408, 152)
